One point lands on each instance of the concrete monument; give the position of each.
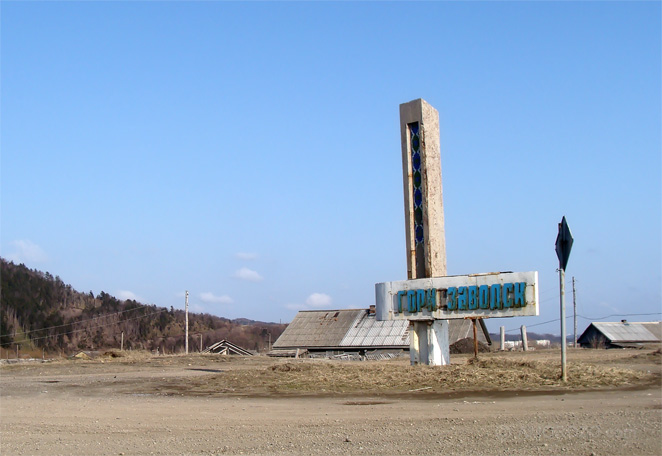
(424, 220)
(429, 298)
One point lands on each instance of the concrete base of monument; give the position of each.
(429, 342)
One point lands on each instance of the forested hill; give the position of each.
(41, 311)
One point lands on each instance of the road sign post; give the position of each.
(564, 242)
(564, 372)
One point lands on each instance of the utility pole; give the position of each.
(200, 342)
(122, 342)
(186, 307)
(574, 305)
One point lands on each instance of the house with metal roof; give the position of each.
(621, 334)
(332, 332)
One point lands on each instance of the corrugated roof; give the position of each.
(629, 331)
(355, 328)
(366, 331)
(655, 328)
(317, 328)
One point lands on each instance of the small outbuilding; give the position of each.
(623, 334)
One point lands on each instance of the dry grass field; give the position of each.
(501, 403)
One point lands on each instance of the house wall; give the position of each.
(592, 338)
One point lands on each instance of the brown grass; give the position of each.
(215, 375)
(487, 374)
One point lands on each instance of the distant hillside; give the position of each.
(39, 310)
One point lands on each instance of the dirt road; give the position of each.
(144, 407)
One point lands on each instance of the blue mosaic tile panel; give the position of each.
(415, 146)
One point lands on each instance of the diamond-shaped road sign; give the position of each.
(563, 243)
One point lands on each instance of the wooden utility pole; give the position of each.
(186, 308)
(200, 342)
(473, 320)
(574, 306)
(122, 342)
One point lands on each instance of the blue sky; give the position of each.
(250, 152)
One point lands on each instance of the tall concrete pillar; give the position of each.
(424, 209)
(424, 220)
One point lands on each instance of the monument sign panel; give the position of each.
(506, 294)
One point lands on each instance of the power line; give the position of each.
(586, 318)
(118, 322)
(99, 326)
(620, 315)
(537, 324)
(78, 321)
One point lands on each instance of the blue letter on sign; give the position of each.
(484, 297)
(473, 297)
(411, 301)
(495, 296)
(462, 298)
(420, 299)
(452, 298)
(520, 297)
(400, 295)
(432, 299)
(507, 295)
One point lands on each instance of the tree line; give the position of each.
(38, 310)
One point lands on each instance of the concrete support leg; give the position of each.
(414, 356)
(438, 346)
(422, 334)
(429, 343)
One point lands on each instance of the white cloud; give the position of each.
(247, 274)
(245, 256)
(123, 295)
(313, 302)
(209, 297)
(27, 252)
(318, 300)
